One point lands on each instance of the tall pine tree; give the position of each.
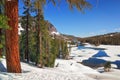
(12, 46)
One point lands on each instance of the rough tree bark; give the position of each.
(12, 44)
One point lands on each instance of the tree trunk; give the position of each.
(0, 43)
(39, 37)
(37, 53)
(27, 57)
(12, 44)
(27, 47)
(47, 52)
(41, 55)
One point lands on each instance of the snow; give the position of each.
(87, 53)
(70, 69)
(65, 71)
(20, 28)
(56, 33)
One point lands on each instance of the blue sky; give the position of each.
(104, 17)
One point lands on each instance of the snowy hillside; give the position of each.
(68, 69)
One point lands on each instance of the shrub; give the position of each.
(107, 66)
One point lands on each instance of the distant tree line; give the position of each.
(107, 39)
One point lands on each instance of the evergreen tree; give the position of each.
(3, 25)
(38, 7)
(27, 25)
(54, 51)
(11, 36)
(64, 49)
(45, 42)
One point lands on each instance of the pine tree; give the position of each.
(54, 51)
(12, 46)
(3, 24)
(64, 49)
(22, 45)
(38, 6)
(31, 37)
(27, 25)
(66, 53)
(46, 42)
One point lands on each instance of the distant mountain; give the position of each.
(110, 38)
(54, 32)
(52, 29)
(71, 37)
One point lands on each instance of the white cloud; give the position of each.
(91, 33)
(103, 31)
(117, 29)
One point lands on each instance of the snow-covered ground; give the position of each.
(69, 69)
(66, 70)
(87, 53)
